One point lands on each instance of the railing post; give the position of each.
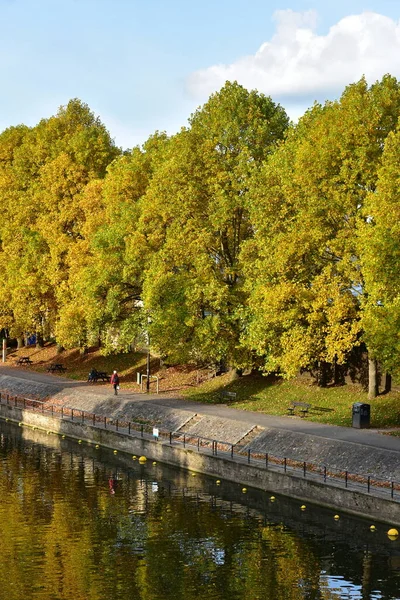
(141, 431)
(392, 489)
(116, 426)
(82, 416)
(94, 419)
(129, 428)
(105, 422)
(184, 440)
(284, 464)
(345, 478)
(52, 410)
(198, 444)
(232, 451)
(369, 483)
(62, 412)
(170, 438)
(15, 400)
(324, 474)
(7, 397)
(24, 402)
(266, 460)
(304, 468)
(72, 414)
(42, 407)
(216, 447)
(248, 455)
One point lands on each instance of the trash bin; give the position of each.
(138, 378)
(361, 415)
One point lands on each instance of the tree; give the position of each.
(380, 258)
(303, 268)
(194, 220)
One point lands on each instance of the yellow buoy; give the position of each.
(63, 437)
(193, 474)
(79, 441)
(244, 490)
(218, 482)
(373, 528)
(272, 498)
(6, 419)
(142, 459)
(97, 446)
(134, 457)
(303, 507)
(154, 463)
(393, 534)
(336, 517)
(20, 424)
(115, 451)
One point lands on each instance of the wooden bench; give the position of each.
(225, 395)
(56, 368)
(24, 360)
(302, 406)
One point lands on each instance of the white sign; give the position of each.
(155, 432)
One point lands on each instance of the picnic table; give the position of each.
(56, 368)
(302, 406)
(24, 360)
(95, 375)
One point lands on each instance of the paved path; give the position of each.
(366, 437)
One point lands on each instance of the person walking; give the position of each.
(115, 382)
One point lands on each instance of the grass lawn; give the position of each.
(261, 394)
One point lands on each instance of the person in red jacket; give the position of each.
(115, 382)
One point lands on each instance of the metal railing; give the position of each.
(222, 449)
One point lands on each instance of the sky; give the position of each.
(146, 65)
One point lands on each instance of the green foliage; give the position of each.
(303, 269)
(239, 239)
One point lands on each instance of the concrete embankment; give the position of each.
(254, 475)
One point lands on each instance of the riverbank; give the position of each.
(360, 452)
(252, 392)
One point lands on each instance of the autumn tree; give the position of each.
(194, 220)
(303, 268)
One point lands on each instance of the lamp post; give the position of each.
(148, 358)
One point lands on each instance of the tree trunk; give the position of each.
(322, 374)
(372, 379)
(20, 342)
(387, 383)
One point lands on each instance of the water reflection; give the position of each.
(78, 523)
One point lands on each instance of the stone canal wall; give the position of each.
(304, 489)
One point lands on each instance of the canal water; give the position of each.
(81, 523)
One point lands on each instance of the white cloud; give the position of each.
(297, 62)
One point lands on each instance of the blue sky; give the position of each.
(145, 65)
